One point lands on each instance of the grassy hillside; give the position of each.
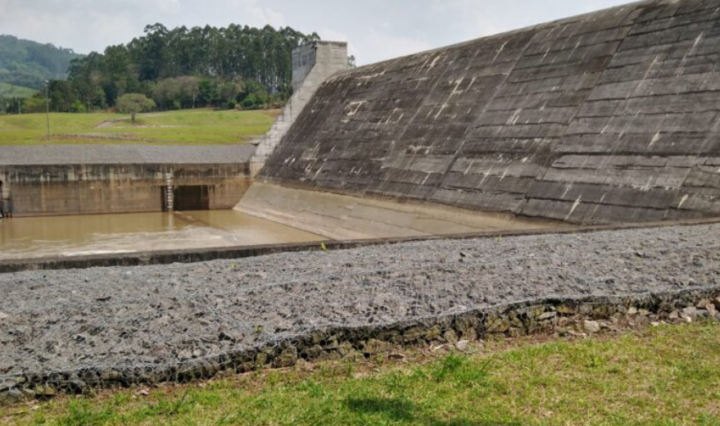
(28, 64)
(196, 127)
(11, 91)
(664, 376)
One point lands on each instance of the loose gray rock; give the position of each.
(167, 315)
(691, 312)
(592, 326)
(462, 345)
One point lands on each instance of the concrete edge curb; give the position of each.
(204, 255)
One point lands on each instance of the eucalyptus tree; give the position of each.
(215, 62)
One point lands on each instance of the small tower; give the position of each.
(313, 64)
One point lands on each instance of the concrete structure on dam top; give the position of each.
(312, 65)
(608, 117)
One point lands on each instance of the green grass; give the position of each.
(664, 376)
(10, 91)
(194, 127)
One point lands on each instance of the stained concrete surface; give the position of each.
(52, 190)
(153, 316)
(608, 117)
(53, 155)
(27, 238)
(344, 217)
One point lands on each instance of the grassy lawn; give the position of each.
(663, 376)
(194, 127)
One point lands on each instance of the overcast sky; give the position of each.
(375, 29)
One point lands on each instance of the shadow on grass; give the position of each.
(403, 411)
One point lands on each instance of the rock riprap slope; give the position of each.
(603, 118)
(151, 317)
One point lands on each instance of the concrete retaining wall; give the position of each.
(98, 189)
(603, 118)
(77, 179)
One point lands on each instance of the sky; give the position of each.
(375, 29)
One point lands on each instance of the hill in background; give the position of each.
(12, 91)
(26, 64)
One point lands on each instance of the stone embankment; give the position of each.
(68, 331)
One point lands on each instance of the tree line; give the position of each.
(180, 68)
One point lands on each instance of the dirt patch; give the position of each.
(109, 123)
(100, 137)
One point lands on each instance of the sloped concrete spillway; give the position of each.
(603, 118)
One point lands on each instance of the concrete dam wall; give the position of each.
(608, 117)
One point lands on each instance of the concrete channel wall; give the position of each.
(68, 180)
(603, 118)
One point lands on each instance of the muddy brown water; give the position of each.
(22, 238)
(269, 214)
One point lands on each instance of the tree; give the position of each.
(86, 75)
(62, 96)
(151, 53)
(14, 105)
(208, 92)
(34, 105)
(176, 93)
(208, 58)
(134, 103)
(252, 102)
(228, 92)
(118, 76)
(78, 106)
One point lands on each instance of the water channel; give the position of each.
(32, 237)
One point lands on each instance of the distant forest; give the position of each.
(180, 68)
